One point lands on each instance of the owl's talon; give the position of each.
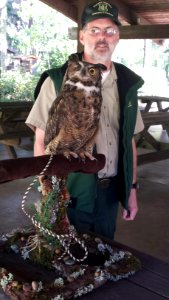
(66, 154)
(82, 157)
(71, 153)
(89, 155)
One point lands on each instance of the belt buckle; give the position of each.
(104, 182)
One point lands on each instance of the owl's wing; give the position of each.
(55, 119)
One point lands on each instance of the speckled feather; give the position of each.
(74, 115)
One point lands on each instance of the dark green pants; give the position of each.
(102, 220)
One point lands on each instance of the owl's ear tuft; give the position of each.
(102, 67)
(74, 57)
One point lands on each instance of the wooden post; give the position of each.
(81, 6)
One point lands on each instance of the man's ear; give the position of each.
(81, 37)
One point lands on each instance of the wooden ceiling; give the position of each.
(131, 12)
(148, 11)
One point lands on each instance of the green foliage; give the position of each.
(53, 59)
(17, 86)
(46, 211)
(33, 28)
(42, 256)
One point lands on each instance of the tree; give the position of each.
(3, 41)
(35, 28)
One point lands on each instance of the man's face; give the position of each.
(99, 38)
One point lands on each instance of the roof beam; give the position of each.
(158, 7)
(128, 14)
(160, 31)
(72, 12)
(154, 32)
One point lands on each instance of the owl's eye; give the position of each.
(92, 71)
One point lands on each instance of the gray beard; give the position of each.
(101, 58)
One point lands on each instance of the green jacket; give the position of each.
(81, 186)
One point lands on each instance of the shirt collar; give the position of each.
(111, 77)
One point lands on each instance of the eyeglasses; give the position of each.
(96, 31)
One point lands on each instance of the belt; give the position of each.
(106, 182)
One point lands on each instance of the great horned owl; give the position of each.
(74, 115)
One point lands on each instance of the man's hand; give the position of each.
(129, 215)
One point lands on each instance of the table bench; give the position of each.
(12, 124)
(151, 118)
(154, 118)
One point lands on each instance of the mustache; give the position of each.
(102, 43)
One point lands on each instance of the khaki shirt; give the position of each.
(107, 137)
(38, 115)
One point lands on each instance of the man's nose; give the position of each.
(102, 33)
(102, 39)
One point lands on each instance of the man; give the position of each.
(95, 197)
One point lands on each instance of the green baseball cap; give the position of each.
(99, 10)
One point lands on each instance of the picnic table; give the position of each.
(150, 283)
(150, 118)
(150, 100)
(12, 124)
(14, 114)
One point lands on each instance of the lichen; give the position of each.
(6, 279)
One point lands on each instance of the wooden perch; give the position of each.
(12, 169)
